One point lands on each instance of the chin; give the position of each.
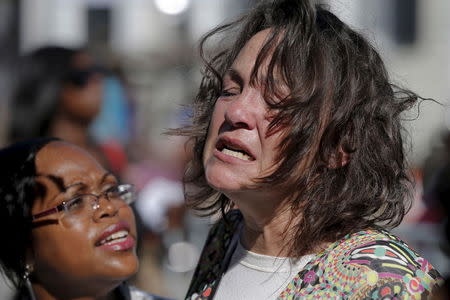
(125, 268)
(124, 263)
(222, 181)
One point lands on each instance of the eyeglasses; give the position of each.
(84, 204)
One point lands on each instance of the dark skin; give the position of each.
(66, 258)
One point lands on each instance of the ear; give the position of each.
(339, 159)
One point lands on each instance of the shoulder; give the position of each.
(376, 264)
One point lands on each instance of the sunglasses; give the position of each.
(80, 77)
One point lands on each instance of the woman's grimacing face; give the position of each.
(237, 149)
(64, 252)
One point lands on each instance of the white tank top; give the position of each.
(256, 276)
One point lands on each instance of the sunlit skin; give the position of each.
(68, 264)
(240, 121)
(241, 118)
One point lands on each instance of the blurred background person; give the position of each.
(58, 93)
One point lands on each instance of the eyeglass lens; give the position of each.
(85, 205)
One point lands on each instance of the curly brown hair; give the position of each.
(341, 103)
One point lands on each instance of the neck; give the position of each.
(69, 130)
(268, 238)
(270, 227)
(77, 133)
(267, 224)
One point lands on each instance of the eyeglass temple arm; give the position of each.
(47, 212)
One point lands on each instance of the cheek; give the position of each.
(270, 148)
(217, 120)
(93, 92)
(208, 149)
(126, 213)
(68, 250)
(82, 102)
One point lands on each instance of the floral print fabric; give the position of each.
(370, 264)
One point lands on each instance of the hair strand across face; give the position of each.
(342, 159)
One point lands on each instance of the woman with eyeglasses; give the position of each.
(67, 228)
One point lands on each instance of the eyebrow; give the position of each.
(59, 182)
(234, 76)
(106, 175)
(102, 180)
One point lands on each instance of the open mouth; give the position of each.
(234, 149)
(116, 237)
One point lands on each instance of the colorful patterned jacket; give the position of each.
(364, 265)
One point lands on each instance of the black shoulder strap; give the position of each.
(215, 256)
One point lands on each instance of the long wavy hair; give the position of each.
(341, 104)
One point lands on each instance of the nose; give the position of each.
(243, 110)
(104, 208)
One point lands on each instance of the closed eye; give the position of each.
(75, 203)
(74, 192)
(232, 84)
(229, 93)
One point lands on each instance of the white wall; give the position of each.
(60, 22)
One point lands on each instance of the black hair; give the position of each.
(17, 195)
(36, 94)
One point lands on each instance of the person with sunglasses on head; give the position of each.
(297, 145)
(68, 229)
(57, 92)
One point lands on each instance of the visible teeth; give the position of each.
(115, 241)
(118, 234)
(121, 235)
(236, 154)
